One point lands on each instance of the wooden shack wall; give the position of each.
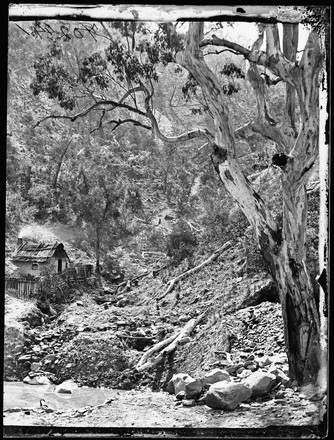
(52, 265)
(26, 267)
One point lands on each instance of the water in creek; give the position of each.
(22, 395)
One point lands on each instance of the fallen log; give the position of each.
(174, 281)
(157, 347)
(172, 342)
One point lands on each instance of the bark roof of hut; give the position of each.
(39, 252)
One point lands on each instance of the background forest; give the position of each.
(115, 190)
(118, 191)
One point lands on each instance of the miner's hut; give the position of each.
(33, 258)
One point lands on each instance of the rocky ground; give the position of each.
(100, 336)
(159, 409)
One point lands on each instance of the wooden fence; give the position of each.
(22, 289)
(73, 274)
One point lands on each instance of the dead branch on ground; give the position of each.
(171, 342)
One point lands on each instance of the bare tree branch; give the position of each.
(290, 43)
(279, 65)
(217, 52)
(93, 106)
(100, 121)
(124, 121)
(200, 132)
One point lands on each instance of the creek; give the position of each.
(22, 395)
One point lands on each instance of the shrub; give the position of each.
(181, 244)
(156, 241)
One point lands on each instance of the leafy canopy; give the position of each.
(132, 56)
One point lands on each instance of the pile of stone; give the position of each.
(254, 378)
(37, 344)
(260, 329)
(14, 337)
(95, 353)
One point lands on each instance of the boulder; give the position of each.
(260, 382)
(36, 380)
(281, 376)
(179, 381)
(232, 369)
(227, 395)
(170, 387)
(183, 384)
(193, 388)
(216, 375)
(66, 387)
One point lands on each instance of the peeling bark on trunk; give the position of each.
(283, 250)
(290, 42)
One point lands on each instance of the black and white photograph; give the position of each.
(167, 221)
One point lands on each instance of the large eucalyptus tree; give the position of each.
(283, 248)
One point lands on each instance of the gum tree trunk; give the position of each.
(283, 249)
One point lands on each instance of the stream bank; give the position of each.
(146, 408)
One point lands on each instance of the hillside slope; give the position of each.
(93, 339)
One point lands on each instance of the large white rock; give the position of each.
(66, 387)
(178, 383)
(227, 395)
(216, 375)
(182, 382)
(260, 382)
(37, 380)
